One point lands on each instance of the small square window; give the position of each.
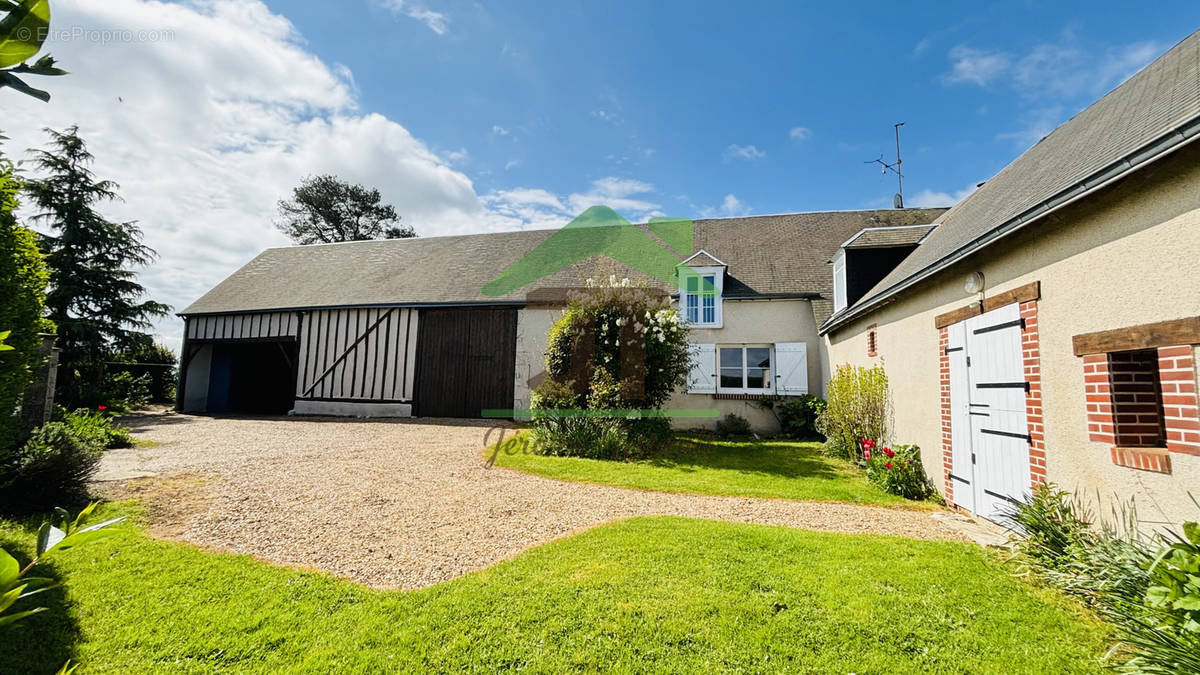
(745, 370)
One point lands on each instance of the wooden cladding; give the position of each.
(263, 325)
(358, 354)
(1146, 336)
(1027, 293)
(468, 361)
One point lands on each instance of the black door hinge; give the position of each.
(972, 458)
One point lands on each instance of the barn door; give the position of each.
(991, 431)
(466, 361)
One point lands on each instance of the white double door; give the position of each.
(990, 436)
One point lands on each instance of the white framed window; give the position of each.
(700, 295)
(745, 369)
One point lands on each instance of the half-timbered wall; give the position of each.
(243, 326)
(357, 355)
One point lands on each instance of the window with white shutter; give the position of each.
(702, 378)
(791, 366)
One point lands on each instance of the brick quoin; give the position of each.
(1031, 351)
(944, 388)
(1181, 413)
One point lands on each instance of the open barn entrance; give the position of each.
(253, 377)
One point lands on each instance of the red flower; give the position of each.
(866, 454)
(889, 453)
(888, 465)
(868, 443)
(101, 408)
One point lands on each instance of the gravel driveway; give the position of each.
(399, 503)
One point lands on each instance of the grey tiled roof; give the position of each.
(890, 236)
(767, 256)
(1150, 107)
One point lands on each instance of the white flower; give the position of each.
(620, 322)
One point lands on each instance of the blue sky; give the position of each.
(700, 99)
(473, 117)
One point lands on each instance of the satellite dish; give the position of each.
(898, 201)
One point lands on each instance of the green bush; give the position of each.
(858, 407)
(733, 425)
(617, 347)
(1147, 586)
(23, 279)
(124, 392)
(52, 467)
(1054, 525)
(797, 415)
(897, 470)
(96, 424)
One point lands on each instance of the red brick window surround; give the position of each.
(872, 340)
(1143, 402)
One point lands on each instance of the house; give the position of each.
(1046, 328)
(455, 326)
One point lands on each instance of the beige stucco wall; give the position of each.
(745, 322)
(1125, 257)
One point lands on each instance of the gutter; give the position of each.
(1123, 167)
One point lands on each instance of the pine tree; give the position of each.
(326, 209)
(94, 298)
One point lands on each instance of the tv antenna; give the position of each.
(894, 167)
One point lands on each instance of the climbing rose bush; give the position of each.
(896, 469)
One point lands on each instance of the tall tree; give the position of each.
(94, 296)
(325, 209)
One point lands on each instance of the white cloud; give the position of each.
(436, 21)
(799, 133)
(1064, 69)
(206, 129)
(499, 130)
(539, 208)
(749, 152)
(931, 198)
(731, 207)
(975, 66)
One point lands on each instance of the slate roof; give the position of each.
(1153, 111)
(768, 256)
(889, 236)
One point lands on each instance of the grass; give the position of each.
(742, 468)
(642, 595)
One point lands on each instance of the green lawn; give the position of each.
(772, 468)
(641, 595)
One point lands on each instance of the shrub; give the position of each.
(125, 392)
(618, 346)
(798, 415)
(733, 425)
(1054, 525)
(1148, 587)
(858, 407)
(897, 470)
(52, 467)
(23, 279)
(96, 424)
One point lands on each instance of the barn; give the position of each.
(404, 327)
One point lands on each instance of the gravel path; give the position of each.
(399, 503)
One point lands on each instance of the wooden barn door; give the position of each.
(466, 361)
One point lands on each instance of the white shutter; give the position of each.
(839, 282)
(791, 364)
(703, 377)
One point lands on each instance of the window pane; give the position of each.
(758, 357)
(758, 378)
(731, 357)
(710, 283)
(693, 310)
(731, 378)
(693, 284)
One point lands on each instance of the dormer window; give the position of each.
(700, 290)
